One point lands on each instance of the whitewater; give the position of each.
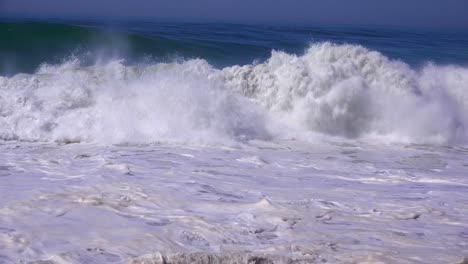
(339, 154)
(335, 90)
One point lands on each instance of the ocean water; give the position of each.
(145, 142)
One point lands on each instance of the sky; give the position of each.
(411, 13)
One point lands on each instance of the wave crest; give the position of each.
(338, 90)
(350, 91)
(114, 103)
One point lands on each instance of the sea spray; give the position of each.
(334, 90)
(350, 91)
(113, 103)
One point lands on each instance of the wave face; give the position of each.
(31, 44)
(333, 90)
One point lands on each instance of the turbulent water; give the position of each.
(225, 143)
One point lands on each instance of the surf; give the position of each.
(345, 91)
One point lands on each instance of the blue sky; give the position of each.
(413, 13)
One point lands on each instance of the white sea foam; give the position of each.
(349, 91)
(115, 103)
(271, 202)
(334, 90)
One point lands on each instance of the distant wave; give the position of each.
(334, 90)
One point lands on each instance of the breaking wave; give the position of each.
(332, 90)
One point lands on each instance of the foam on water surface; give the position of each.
(281, 201)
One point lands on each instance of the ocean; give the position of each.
(160, 142)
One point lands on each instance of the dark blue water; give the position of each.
(24, 45)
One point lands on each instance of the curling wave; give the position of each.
(334, 90)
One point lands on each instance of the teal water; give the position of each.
(25, 45)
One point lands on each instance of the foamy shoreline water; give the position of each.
(338, 202)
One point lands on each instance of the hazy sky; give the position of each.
(413, 13)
